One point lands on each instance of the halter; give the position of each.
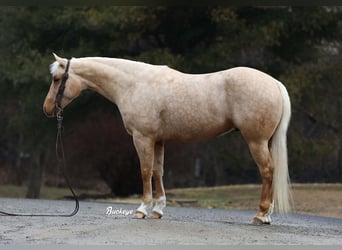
(61, 90)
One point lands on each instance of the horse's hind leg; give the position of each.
(145, 149)
(262, 156)
(157, 211)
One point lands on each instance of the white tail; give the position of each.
(281, 181)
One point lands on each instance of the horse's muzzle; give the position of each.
(50, 114)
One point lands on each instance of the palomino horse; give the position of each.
(159, 104)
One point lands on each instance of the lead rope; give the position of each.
(61, 161)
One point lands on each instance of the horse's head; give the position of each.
(64, 88)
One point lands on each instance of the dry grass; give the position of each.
(313, 199)
(318, 199)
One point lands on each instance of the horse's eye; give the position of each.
(56, 80)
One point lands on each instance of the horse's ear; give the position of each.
(60, 60)
(56, 57)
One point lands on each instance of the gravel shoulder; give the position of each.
(179, 226)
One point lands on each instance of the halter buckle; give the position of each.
(59, 117)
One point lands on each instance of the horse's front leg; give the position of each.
(157, 211)
(145, 149)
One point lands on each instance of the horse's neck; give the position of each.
(109, 77)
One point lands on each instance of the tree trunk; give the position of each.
(36, 175)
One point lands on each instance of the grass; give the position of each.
(51, 193)
(313, 199)
(229, 197)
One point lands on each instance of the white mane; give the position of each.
(53, 67)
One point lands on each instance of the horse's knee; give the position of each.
(157, 173)
(146, 174)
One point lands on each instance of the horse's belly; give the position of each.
(192, 129)
(185, 135)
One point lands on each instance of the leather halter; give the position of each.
(61, 89)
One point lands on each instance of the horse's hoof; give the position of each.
(259, 221)
(139, 215)
(156, 215)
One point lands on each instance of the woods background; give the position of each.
(300, 46)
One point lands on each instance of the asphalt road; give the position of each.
(179, 226)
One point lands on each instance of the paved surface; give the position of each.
(178, 226)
